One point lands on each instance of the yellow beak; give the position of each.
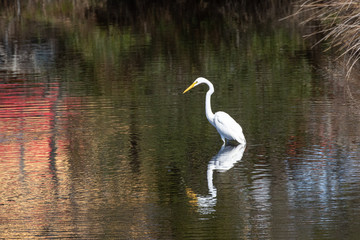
(190, 87)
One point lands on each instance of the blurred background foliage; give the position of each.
(136, 49)
(122, 66)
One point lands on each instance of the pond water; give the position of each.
(97, 140)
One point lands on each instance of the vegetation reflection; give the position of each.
(123, 155)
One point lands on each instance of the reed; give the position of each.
(339, 22)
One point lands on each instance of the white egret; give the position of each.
(226, 126)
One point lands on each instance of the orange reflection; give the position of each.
(30, 179)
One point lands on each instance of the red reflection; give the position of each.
(27, 114)
(27, 144)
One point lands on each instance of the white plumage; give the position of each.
(226, 126)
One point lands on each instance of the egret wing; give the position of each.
(228, 127)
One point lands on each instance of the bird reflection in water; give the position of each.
(224, 160)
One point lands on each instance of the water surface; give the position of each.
(98, 141)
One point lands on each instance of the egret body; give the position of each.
(226, 126)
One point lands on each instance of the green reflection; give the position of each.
(133, 149)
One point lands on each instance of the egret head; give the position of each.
(198, 81)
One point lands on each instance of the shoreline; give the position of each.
(337, 23)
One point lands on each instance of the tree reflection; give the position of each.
(95, 142)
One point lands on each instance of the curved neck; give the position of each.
(208, 111)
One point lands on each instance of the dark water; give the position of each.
(97, 140)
